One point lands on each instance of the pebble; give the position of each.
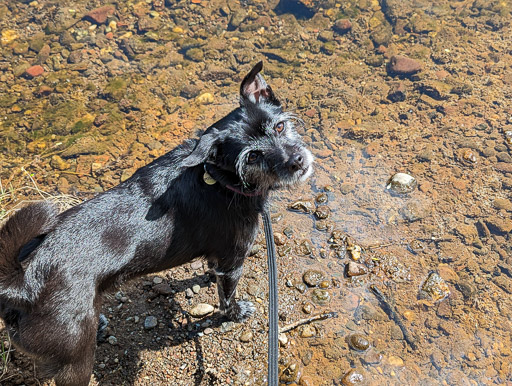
(112, 340)
(198, 264)
(208, 331)
(353, 377)
(434, 288)
(189, 293)
(196, 288)
(321, 296)
(205, 99)
(308, 331)
(402, 65)
(201, 309)
(358, 342)
(503, 203)
(246, 337)
(342, 26)
(355, 269)
(402, 183)
(322, 212)
(100, 15)
(312, 278)
(58, 163)
(283, 339)
(163, 289)
(308, 308)
(397, 92)
(157, 280)
(395, 361)
(372, 357)
(34, 71)
(302, 206)
(150, 322)
(226, 326)
(279, 238)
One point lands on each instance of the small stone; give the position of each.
(279, 238)
(226, 326)
(302, 206)
(196, 288)
(163, 289)
(198, 264)
(157, 280)
(397, 92)
(308, 331)
(112, 340)
(395, 361)
(246, 337)
(355, 269)
(312, 278)
(503, 203)
(100, 15)
(34, 71)
(322, 212)
(150, 322)
(402, 65)
(308, 308)
(372, 357)
(208, 330)
(401, 183)
(205, 99)
(322, 198)
(358, 342)
(283, 339)
(342, 26)
(196, 54)
(201, 309)
(58, 163)
(321, 296)
(353, 377)
(189, 293)
(434, 288)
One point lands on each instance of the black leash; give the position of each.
(273, 328)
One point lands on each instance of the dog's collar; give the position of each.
(209, 180)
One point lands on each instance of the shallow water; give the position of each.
(116, 94)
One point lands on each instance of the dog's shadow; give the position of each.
(175, 327)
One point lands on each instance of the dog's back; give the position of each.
(18, 237)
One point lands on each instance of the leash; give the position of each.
(273, 328)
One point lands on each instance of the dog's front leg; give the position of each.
(226, 286)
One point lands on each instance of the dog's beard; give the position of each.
(278, 177)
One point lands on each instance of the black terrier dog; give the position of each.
(201, 199)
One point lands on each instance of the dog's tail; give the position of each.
(22, 227)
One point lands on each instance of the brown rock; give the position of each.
(397, 92)
(353, 377)
(100, 15)
(503, 203)
(355, 269)
(402, 65)
(342, 26)
(163, 289)
(34, 71)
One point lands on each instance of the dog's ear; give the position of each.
(254, 88)
(203, 148)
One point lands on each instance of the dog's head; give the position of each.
(256, 147)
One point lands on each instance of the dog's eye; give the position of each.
(253, 157)
(280, 127)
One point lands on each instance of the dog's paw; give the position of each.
(241, 311)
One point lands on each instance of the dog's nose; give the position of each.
(296, 162)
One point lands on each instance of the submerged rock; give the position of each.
(402, 183)
(434, 288)
(402, 65)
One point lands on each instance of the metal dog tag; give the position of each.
(208, 179)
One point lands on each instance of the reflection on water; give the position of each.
(419, 87)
